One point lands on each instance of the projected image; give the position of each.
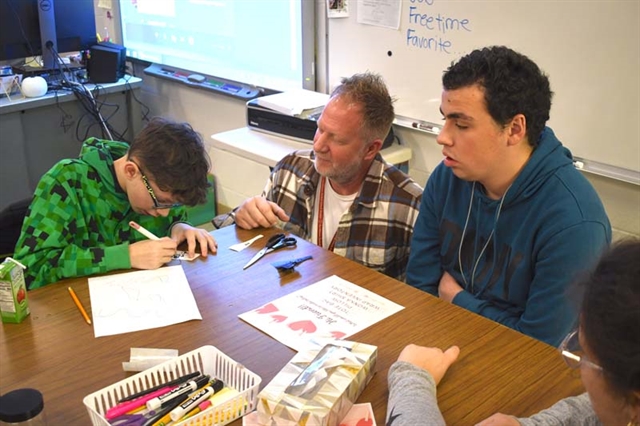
(256, 42)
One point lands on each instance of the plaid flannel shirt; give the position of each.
(375, 231)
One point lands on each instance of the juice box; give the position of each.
(14, 306)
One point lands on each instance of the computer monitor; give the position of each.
(26, 26)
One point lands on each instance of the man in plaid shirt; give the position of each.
(342, 195)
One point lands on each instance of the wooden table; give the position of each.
(55, 351)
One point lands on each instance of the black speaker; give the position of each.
(107, 62)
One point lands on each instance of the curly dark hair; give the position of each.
(370, 91)
(173, 155)
(513, 84)
(610, 315)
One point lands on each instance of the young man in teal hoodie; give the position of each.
(78, 221)
(506, 221)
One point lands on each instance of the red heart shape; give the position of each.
(305, 326)
(338, 334)
(364, 422)
(278, 318)
(267, 309)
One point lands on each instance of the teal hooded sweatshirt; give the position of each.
(517, 260)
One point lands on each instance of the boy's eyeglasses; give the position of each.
(156, 204)
(573, 353)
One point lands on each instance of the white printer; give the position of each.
(290, 114)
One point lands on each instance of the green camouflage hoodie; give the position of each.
(78, 221)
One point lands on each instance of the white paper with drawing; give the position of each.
(329, 309)
(141, 300)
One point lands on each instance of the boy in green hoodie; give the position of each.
(78, 221)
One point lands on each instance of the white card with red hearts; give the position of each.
(332, 308)
(359, 415)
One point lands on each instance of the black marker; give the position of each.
(177, 381)
(187, 387)
(426, 127)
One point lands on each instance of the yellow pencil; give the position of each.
(203, 406)
(79, 305)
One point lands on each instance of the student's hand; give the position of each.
(257, 212)
(434, 360)
(448, 287)
(499, 419)
(151, 254)
(183, 232)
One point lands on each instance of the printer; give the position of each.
(292, 114)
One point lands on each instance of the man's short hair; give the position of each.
(173, 155)
(369, 91)
(513, 84)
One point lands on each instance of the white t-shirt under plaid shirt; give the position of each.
(375, 231)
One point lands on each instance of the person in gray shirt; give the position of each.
(605, 347)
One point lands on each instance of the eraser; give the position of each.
(197, 78)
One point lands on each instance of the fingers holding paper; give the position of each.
(194, 236)
(152, 254)
(258, 212)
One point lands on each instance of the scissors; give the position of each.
(274, 243)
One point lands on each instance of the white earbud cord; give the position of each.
(464, 231)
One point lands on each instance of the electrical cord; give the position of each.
(88, 101)
(60, 79)
(67, 119)
(145, 110)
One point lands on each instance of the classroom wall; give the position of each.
(621, 199)
(238, 178)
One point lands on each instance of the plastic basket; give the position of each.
(207, 360)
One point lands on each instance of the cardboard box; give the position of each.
(14, 306)
(318, 387)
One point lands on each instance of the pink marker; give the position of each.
(125, 407)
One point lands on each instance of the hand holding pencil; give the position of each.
(151, 253)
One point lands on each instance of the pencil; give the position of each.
(141, 229)
(79, 305)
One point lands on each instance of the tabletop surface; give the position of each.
(55, 351)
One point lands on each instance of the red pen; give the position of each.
(125, 407)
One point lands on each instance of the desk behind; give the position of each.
(257, 149)
(268, 149)
(499, 369)
(38, 132)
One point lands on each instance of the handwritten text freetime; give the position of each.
(432, 30)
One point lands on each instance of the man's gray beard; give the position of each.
(340, 178)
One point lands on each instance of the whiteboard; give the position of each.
(589, 49)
